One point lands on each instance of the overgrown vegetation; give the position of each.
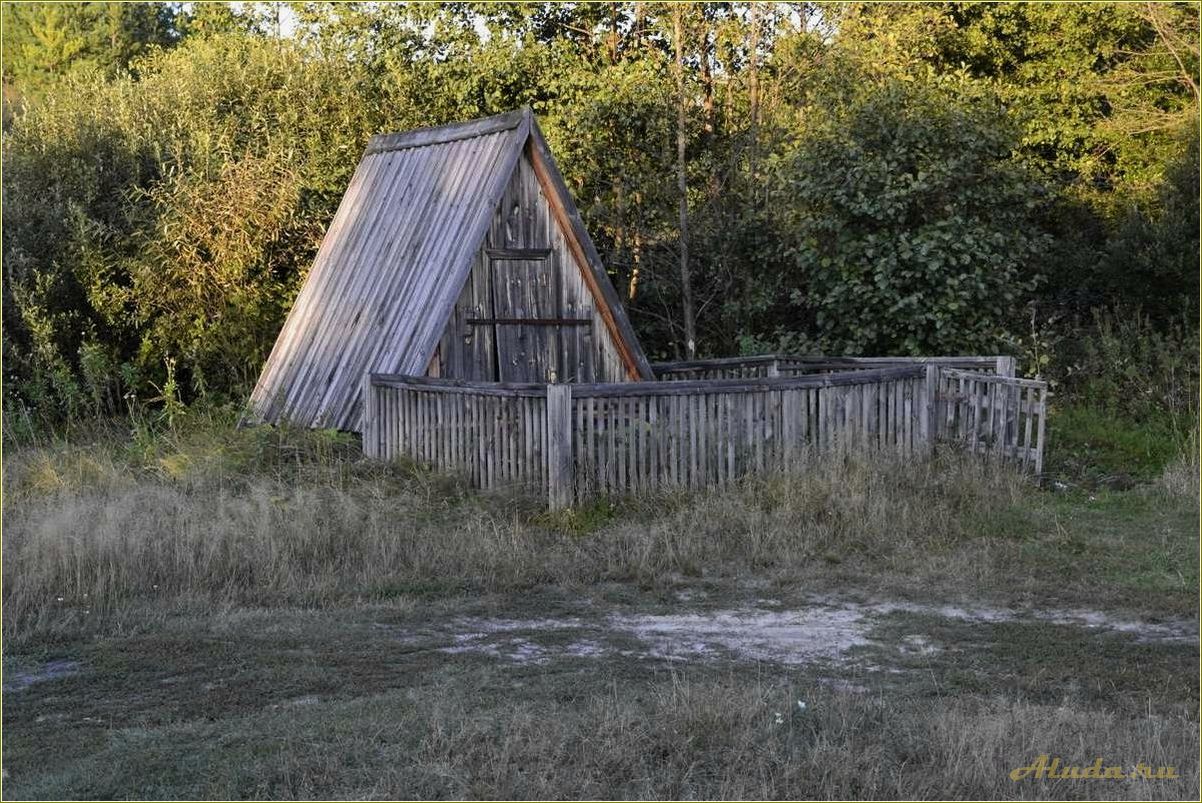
(212, 515)
(267, 603)
(860, 177)
(1127, 406)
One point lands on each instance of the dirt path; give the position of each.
(827, 632)
(560, 668)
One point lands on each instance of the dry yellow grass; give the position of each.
(84, 534)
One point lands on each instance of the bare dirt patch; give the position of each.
(825, 632)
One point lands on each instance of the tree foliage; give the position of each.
(886, 178)
(45, 41)
(906, 225)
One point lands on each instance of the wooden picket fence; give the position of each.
(1002, 416)
(577, 441)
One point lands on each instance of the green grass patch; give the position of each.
(1094, 448)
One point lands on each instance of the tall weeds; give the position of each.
(261, 518)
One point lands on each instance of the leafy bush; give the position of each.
(905, 225)
(175, 226)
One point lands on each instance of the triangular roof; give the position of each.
(397, 255)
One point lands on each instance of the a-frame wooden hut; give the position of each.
(456, 252)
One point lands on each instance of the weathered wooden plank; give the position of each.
(655, 453)
(756, 404)
(436, 135)
(655, 388)
(611, 449)
(471, 438)
(809, 401)
(590, 422)
(963, 404)
(430, 430)
(694, 437)
(1028, 394)
(640, 443)
(679, 453)
(386, 421)
(578, 450)
(559, 446)
(519, 254)
(789, 427)
(527, 460)
(999, 380)
(766, 364)
(930, 412)
(371, 429)
(1042, 412)
(996, 420)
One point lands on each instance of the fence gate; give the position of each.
(996, 415)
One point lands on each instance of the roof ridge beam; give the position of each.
(434, 135)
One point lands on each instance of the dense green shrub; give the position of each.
(861, 183)
(174, 226)
(904, 223)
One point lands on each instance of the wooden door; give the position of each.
(528, 319)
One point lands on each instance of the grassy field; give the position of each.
(254, 613)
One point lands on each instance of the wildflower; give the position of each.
(780, 720)
(801, 706)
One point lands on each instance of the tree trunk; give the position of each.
(707, 85)
(753, 89)
(636, 259)
(686, 283)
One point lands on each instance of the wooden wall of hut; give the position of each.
(526, 313)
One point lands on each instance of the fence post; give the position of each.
(774, 367)
(930, 413)
(370, 425)
(559, 446)
(1043, 415)
(1005, 367)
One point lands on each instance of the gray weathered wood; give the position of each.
(436, 135)
(930, 418)
(559, 446)
(574, 441)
